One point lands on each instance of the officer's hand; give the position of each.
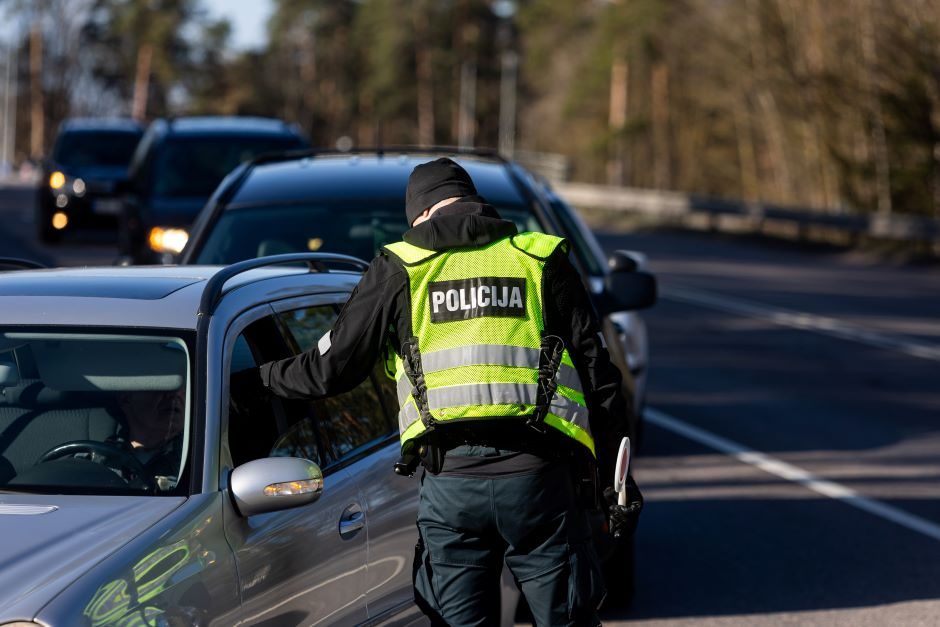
(624, 518)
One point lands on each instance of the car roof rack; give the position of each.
(316, 262)
(275, 157)
(15, 263)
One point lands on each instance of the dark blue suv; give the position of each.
(82, 178)
(175, 168)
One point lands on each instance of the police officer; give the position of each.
(507, 396)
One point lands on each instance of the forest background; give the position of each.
(831, 104)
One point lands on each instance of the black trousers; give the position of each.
(470, 526)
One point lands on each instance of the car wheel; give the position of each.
(620, 575)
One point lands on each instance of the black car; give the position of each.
(175, 168)
(353, 203)
(82, 178)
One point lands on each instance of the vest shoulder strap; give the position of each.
(538, 245)
(409, 254)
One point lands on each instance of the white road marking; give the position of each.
(803, 321)
(793, 473)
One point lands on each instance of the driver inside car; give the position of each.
(154, 423)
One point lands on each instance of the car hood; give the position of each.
(51, 540)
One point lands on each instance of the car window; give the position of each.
(95, 148)
(579, 239)
(348, 227)
(348, 422)
(94, 413)
(194, 166)
(260, 425)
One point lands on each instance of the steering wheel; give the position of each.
(126, 460)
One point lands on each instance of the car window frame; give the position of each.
(233, 331)
(335, 300)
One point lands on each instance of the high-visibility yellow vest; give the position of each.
(477, 321)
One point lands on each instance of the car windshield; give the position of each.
(578, 236)
(95, 148)
(194, 166)
(93, 414)
(346, 227)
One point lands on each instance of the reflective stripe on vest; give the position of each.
(486, 355)
(407, 416)
(561, 408)
(495, 355)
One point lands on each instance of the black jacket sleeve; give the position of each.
(355, 343)
(570, 314)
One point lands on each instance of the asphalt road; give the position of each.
(792, 461)
(791, 465)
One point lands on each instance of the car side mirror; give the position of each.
(627, 287)
(275, 483)
(622, 261)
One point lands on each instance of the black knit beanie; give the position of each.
(433, 182)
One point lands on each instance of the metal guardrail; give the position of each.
(676, 206)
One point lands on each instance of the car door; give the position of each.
(360, 429)
(300, 566)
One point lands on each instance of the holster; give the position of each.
(429, 453)
(549, 361)
(432, 454)
(407, 464)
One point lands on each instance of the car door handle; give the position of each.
(351, 522)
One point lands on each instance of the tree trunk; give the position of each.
(309, 87)
(367, 130)
(879, 141)
(619, 74)
(747, 156)
(37, 119)
(424, 77)
(768, 104)
(142, 82)
(466, 119)
(509, 81)
(662, 159)
(466, 127)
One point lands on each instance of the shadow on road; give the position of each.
(762, 552)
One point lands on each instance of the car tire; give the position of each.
(620, 576)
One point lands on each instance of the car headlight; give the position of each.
(167, 240)
(56, 180)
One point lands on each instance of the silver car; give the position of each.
(137, 488)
